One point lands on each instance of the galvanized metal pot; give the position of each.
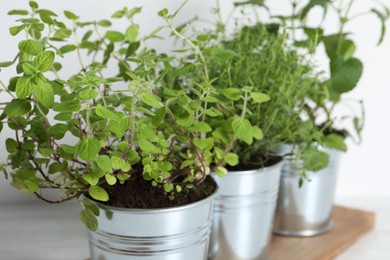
(180, 233)
(306, 211)
(243, 212)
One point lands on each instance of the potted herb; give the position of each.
(262, 81)
(307, 210)
(136, 158)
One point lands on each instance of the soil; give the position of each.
(257, 162)
(139, 193)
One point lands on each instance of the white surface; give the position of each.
(36, 231)
(364, 169)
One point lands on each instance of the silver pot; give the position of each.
(306, 211)
(243, 212)
(153, 234)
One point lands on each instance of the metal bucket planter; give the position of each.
(306, 211)
(153, 234)
(243, 212)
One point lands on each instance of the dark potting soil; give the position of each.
(257, 162)
(139, 193)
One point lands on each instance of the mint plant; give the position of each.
(82, 134)
(345, 68)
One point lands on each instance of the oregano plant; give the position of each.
(86, 135)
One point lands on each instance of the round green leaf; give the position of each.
(232, 93)
(17, 107)
(114, 36)
(89, 219)
(44, 61)
(45, 94)
(31, 47)
(259, 97)
(88, 148)
(98, 193)
(243, 129)
(132, 32)
(346, 76)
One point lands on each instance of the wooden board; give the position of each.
(349, 225)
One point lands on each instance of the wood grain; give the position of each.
(349, 225)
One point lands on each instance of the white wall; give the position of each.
(363, 172)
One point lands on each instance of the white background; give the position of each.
(364, 170)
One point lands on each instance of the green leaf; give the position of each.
(203, 143)
(90, 205)
(120, 164)
(29, 69)
(314, 160)
(46, 18)
(17, 107)
(25, 86)
(91, 178)
(201, 127)
(221, 171)
(334, 141)
(45, 94)
(104, 23)
(11, 145)
(104, 163)
(58, 131)
(345, 77)
(107, 113)
(160, 115)
(98, 193)
(89, 220)
(168, 187)
(6, 64)
(31, 186)
(33, 4)
(151, 100)
(259, 97)
(382, 17)
(119, 128)
(31, 47)
(70, 15)
(88, 148)
(132, 32)
(67, 106)
(133, 157)
(120, 13)
(231, 159)
(66, 116)
(223, 55)
(232, 93)
(18, 12)
(148, 147)
(68, 48)
(111, 180)
(44, 61)
(114, 36)
(88, 94)
(14, 30)
(257, 133)
(242, 129)
(163, 12)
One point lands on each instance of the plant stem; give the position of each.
(189, 42)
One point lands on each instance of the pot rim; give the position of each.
(158, 210)
(254, 171)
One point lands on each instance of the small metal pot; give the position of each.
(306, 211)
(153, 234)
(243, 212)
